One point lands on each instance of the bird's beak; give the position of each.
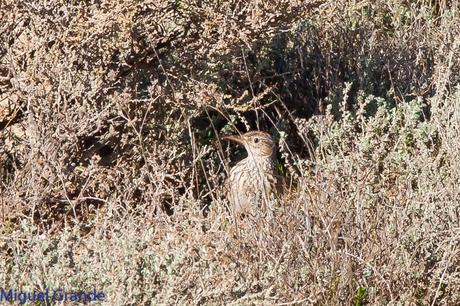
(235, 138)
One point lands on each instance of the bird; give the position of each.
(252, 182)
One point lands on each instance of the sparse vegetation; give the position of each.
(112, 169)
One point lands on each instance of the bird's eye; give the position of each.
(256, 140)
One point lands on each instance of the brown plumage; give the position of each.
(252, 181)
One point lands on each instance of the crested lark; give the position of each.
(252, 181)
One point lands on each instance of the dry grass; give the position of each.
(111, 165)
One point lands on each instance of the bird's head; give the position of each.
(257, 144)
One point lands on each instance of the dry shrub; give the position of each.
(112, 169)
